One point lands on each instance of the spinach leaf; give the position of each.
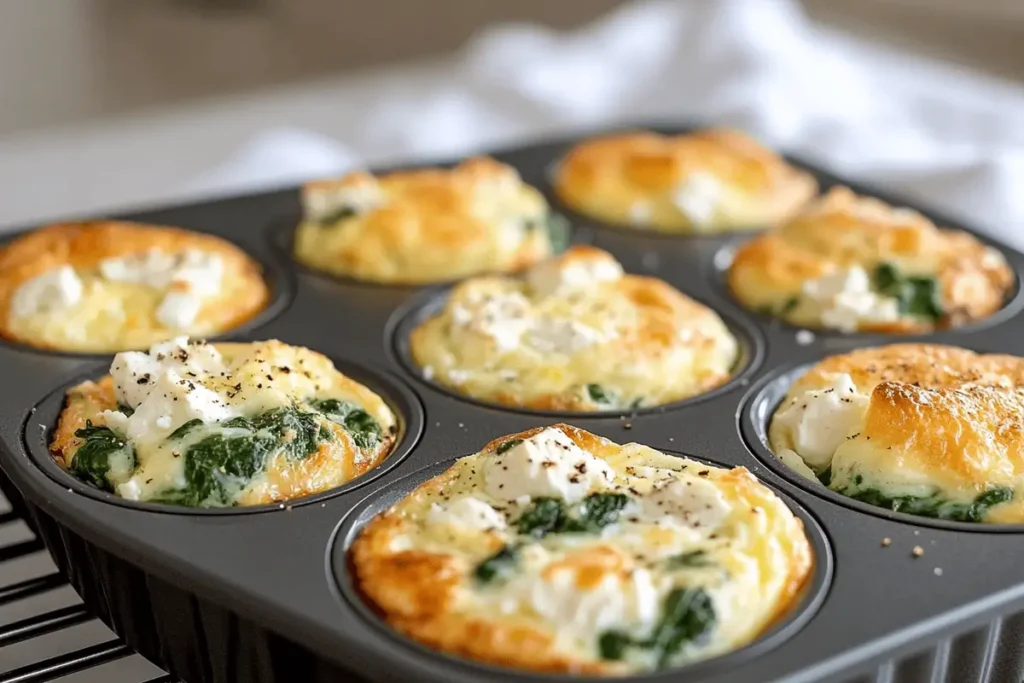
(551, 516)
(687, 615)
(507, 446)
(934, 506)
(338, 215)
(128, 411)
(544, 516)
(693, 558)
(597, 511)
(790, 304)
(598, 395)
(91, 461)
(497, 566)
(916, 296)
(184, 429)
(825, 476)
(557, 228)
(221, 465)
(365, 431)
(298, 431)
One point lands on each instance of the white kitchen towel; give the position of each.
(938, 135)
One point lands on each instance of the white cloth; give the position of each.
(944, 137)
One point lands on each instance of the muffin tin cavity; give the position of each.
(755, 418)
(448, 667)
(38, 432)
(750, 346)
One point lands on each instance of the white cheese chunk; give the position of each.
(548, 463)
(190, 276)
(51, 291)
(178, 309)
(467, 513)
(361, 198)
(699, 198)
(690, 502)
(561, 335)
(172, 401)
(134, 372)
(558, 277)
(503, 318)
(582, 613)
(818, 421)
(845, 300)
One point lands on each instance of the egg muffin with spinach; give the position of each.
(427, 225)
(204, 425)
(557, 550)
(856, 264)
(574, 333)
(928, 430)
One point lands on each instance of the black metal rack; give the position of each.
(46, 633)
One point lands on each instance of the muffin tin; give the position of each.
(266, 594)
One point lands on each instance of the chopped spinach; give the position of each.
(498, 565)
(693, 558)
(687, 615)
(825, 476)
(557, 228)
(916, 296)
(222, 464)
(365, 430)
(597, 511)
(128, 411)
(597, 394)
(338, 215)
(544, 516)
(184, 429)
(790, 304)
(934, 506)
(507, 446)
(91, 461)
(552, 516)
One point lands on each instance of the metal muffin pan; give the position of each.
(268, 597)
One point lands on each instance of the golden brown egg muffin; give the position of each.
(106, 286)
(928, 430)
(574, 333)
(557, 550)
(710, 181)
(854, 263)
(427, 225)
(203, 425)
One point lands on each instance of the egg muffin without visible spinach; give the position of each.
(557, 550)
(204, 425)
(853, 263)
(427, 225)
(710, 181)
(574, 333)
(928, 430)
(107, 286)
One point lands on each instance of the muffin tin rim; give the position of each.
(752, 429)
(784, 627)
(751, 344)
(403, 402)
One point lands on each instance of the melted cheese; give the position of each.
(740, 545)
(698, 198)
(815, 423)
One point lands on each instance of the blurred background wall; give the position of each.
(67, 61)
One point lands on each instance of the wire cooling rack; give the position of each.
(46, 633)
